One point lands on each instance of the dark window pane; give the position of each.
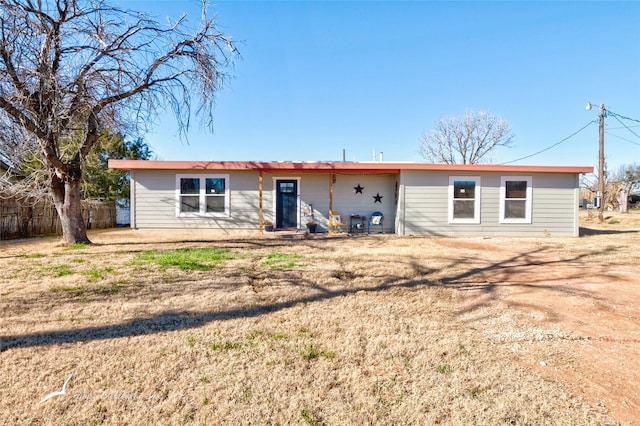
(286, 187)
(463, 209)
(464, 189)
(190, 204)
(189, 185)
(215, 186)
(215, 204)
(515, 209)
(516, 189)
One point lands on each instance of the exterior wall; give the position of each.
(424, 206)
(347, 202)
(413, 202)
(154, 202)
(153, 199)
(314, 191)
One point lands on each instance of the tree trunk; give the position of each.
(66, 198)
(623, 196)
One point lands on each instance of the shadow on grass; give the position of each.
(590, 231)
(472, 278)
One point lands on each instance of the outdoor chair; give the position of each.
(336, 225)
(376, 220)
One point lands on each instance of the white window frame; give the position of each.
(202, 195)
(476, 205)
(503, 199)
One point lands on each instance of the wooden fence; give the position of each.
(22, 220)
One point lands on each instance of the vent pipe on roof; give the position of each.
(381, 156)
(344, 155)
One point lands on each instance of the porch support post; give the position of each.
(260, 218)
(330, 200)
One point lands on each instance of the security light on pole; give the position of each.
(600, 162)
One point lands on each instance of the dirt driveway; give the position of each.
(582, 311)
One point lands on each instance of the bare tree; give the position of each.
(69, 68)
(624, 180)
(467, 139)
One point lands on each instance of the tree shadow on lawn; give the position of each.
(471, 279)
(590, 231)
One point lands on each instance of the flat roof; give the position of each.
(337, 166)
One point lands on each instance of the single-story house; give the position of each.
(414, 198)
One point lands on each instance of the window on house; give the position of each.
(202, 195)
(464, 199)
(515, 199)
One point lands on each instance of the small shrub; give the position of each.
(191, 341)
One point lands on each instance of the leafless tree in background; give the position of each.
(624, 180)
(69, 68)
(467, 139)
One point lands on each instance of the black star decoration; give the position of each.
(377, 198)
(358, 189)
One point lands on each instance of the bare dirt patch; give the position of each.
(344, 330)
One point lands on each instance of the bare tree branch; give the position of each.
(69, 68)
(469, 139)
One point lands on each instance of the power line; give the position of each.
(620, 121)
(620, 137)
(621, 116)
(554, 145)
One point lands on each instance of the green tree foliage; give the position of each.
(101, 182)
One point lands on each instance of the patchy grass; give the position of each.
(33, 255)
(76, 246)
(61, 270)
(320, 331)
(186, 259)
(282, 260)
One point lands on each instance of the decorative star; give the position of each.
(377, 198)
(358, 189)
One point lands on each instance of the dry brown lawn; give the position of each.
(343, 330)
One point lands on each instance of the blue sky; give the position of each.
(317, 77)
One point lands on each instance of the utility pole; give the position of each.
(601, 166)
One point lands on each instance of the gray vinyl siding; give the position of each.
(155, 198)
(425, 202)
(314, 191)
(413, 202)
(347, 202)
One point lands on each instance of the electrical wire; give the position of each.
(620, 137)
(552, 146)
(620, 121)
(609, 112)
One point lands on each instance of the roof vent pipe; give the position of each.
(344, 155)
(381, 156)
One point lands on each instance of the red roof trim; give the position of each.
(347, 166)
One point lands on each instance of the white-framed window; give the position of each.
(515, 199)
(464, 199)
(202, 195)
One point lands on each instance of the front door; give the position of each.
(286, 204)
